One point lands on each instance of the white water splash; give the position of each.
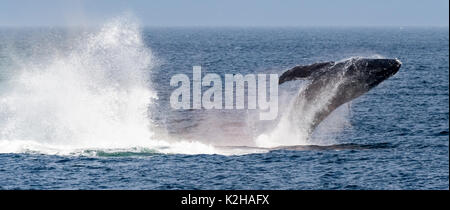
(94, 97)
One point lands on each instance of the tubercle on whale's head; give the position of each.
(374, 71)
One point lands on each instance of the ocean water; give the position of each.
(88, 108)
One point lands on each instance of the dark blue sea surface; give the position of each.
(398, 137)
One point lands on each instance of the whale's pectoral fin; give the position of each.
(304, 72)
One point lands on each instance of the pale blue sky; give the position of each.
(227, 12)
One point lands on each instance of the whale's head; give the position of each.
(372, 72)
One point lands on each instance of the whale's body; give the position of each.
(332, 84)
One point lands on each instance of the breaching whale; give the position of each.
(331, 84)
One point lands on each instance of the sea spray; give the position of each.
(95, 96)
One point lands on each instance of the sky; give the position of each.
(22, 13)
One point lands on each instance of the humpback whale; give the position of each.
(331, 84)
